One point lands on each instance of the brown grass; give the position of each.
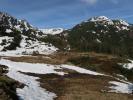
(98, 62)
(78, 86)
(81, 87)
(58, 58)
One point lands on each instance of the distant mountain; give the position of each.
(52, 31)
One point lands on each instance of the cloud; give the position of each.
(91, 2)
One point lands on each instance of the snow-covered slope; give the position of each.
(18, 37)
(102, 19)
(28, 47)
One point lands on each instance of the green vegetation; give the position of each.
(57, 41)
(101, 39)
(128, 73)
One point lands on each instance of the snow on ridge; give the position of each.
(52, 31)
(102, 19)
(123, 22)
(106, 20)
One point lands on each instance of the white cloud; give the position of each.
(90, 1)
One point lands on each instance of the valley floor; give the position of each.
(48, 77)
(81, 87)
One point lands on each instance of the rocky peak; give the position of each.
(102, 20)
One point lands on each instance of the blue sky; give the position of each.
(66, 13)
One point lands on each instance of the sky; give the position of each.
(66, 13)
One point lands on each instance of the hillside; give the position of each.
(19, 37)
(93, 60)
(98, 34)
(103, 35)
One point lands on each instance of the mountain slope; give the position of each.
(19, 37)
(63, 74)
(98, 34)
(103, 35)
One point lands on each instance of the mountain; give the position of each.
(61, 61)
(99, 34)
(102, 35)
(19, 37)
(52, 31)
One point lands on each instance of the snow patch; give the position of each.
(127, 65)
(80, 70)
(120, 87)
(31, 67)
(97, 40)
(5, 42)
(27, 47)
(8, 30)
(32, 90)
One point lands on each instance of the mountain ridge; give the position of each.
(99, 34)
